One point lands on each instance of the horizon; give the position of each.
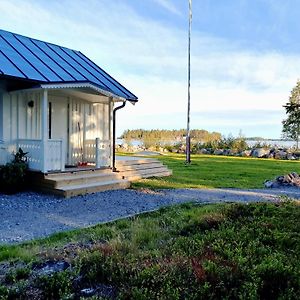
(244, 58)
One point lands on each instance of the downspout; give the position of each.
(114, 135)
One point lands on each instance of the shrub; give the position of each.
(3, 292)
(13, 174)
(55, 286)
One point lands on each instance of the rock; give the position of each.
(51, 267)
(101, 290)
(89, 292)
(203, 151)
(268, 184)
(135, 148)
(291, 179)
(260, 152)
(232, 152)
(280, 179)
(296, 154)
(291, 157)
(246, 153)
(280, 155)
(218, 152)
(226, 152)
(125, 146)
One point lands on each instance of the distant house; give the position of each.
(56, 104)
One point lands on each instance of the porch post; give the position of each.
(44, 131)
(98, 165)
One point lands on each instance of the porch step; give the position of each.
(135, 169)
(68, 184)
(140, 166)
(82, 189)
(78, 172)
(80, 178)
(135, 160)
(80, 182)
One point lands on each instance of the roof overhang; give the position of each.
(85, 90)
(81, 85)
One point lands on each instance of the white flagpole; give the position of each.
(188, 139)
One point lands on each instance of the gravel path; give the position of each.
(30, 215)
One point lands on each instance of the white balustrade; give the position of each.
(90, 151)
(33, 147)
(97, 151)
(55, 154)
(102, 157)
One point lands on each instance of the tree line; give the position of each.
(158, 136)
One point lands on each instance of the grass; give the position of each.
(208, 171)
(220, 251)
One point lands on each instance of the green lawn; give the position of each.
(223, 251)
(208, 171)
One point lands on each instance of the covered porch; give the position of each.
(62, 126)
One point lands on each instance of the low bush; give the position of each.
(13, 174)
(232, 251)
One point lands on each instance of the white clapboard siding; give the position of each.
(21, 120)
(83, 123)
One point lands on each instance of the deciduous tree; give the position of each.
(291, 125)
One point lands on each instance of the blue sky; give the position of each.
(245, 56)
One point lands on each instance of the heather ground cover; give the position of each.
(191, 251)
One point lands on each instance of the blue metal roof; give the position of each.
(26, 58)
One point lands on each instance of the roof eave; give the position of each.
(92, 86)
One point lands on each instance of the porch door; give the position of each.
(58, 120)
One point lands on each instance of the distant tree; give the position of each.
(291, 125)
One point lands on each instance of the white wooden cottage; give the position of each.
(56, 104)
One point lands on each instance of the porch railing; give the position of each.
(97, 151)
(55, 155)
(34, 149)
(3, 153)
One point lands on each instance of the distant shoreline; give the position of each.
(251, 142)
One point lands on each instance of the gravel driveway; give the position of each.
(30, 215)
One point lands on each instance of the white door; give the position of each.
(58, 120)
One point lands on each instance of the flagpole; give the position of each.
(188, 138)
